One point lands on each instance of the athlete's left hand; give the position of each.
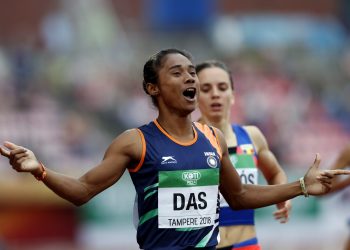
(319, 182)
(282, 213)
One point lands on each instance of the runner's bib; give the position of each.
(187, 198)
(247, 175)
(245, 166)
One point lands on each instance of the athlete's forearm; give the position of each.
(279, 178)
(70, 189)
(256, 196)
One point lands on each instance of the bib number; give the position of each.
(187, 199)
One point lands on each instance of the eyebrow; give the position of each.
(218, 83)
(179, 66)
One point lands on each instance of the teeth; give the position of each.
(190, 92)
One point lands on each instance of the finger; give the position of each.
(326, 181)
(288, 205)
(19, 161)
(16, 167)
(324, 178)
(317, 160)
(325, 174)
(285, 220)
(10, 145)
(281, 205)
(327, 186)
(20, 156)
(281, 213)
(277, 214)
(282, 219)
(14, 154)
(280, 216)
(4, 152)
(339, 172)
(18, 151)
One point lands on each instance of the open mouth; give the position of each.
(216, 107)
(190, 93)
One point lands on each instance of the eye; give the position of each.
(176, 73)
(205, 88)
(223, 86)
(193, 73)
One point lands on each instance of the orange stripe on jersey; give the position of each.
(143, 153)
(212, 137)
(173, 139)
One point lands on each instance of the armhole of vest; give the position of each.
(217, 141)
(143, 154)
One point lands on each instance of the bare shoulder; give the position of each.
(129, 142)
(254, 132)
(221, 138)
(257, 136)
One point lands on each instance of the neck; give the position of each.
(225, 127)
(176, 126)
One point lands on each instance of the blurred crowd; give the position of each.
(71, 88)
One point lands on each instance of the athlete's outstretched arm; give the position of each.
(243, 196)
(271, 169)
(123, 151)
(342, 161)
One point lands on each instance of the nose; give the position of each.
(190, 78)
(215, 92)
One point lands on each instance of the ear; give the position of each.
(152, 89)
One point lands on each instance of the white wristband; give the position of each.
(303, 187)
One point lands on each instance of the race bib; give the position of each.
(247, 176)
(187, 198)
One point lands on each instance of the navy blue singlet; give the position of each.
(177, 189)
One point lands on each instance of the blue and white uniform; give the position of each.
(244, 158)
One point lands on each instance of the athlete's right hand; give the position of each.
(20, 158)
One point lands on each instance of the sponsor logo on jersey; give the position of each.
(192, 177)
(168, 160)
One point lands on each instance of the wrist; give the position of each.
(40, 173)
(303, 187)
